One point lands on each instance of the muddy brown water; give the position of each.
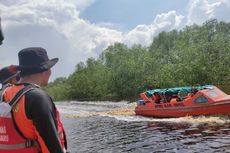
(111, 127)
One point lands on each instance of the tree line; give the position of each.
(195, 55)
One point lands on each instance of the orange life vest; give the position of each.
(25, 127)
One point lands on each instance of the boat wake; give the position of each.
(125, 112)
(128, 115)
(110, 113)
(184, 120)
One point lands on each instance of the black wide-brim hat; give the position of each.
(34, 60)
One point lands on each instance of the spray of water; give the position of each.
(125, 112)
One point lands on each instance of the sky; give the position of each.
(75, 30)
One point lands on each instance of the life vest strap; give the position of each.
(26, 144)
(14, 100)
(19, 94)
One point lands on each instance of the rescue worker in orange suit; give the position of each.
(35, 116)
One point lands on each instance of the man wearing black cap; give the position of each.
(35, 115)
(9, 74)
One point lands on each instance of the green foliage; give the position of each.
(59, 89)
(196, 55)
(90, 81)
(128, 69)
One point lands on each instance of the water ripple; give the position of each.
(109, 127)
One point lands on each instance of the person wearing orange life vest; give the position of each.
(36, 119)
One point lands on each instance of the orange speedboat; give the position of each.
(183, 101)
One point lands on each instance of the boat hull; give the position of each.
(166, 110)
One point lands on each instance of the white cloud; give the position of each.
(141, 34)
(56, 26)
(202, 10)
(81, 4)
(144, 33)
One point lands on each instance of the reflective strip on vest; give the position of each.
(17, 146)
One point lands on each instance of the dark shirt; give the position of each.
(40, 108)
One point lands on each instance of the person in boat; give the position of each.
(161, 97)
(157, 97)
(167, 97)
(175, 98)
(37, 126)
(9, 75)
(192, 93)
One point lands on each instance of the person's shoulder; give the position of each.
(37, 93)
(37, 103)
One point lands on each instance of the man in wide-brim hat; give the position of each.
(35, 114)
(35, 65)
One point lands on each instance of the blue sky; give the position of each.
(127, 14)
(75, 30)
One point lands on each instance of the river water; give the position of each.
(110, 127)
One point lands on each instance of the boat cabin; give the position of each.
(167, 96)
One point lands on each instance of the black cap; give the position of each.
(7, 73)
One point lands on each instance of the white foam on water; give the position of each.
(125, 112)
(189, 119)
(84, 109)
